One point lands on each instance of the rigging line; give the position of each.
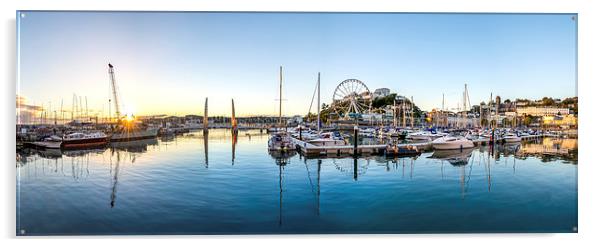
(312, 99)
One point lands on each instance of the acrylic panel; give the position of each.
(143, 123)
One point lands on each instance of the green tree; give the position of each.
(528, 120)
(384, 101)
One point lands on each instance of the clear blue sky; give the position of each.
(169, 62)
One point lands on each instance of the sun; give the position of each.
(129, 117)
(129, 113)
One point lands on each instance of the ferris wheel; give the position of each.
(351, 97)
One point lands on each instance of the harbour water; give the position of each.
(220, 184)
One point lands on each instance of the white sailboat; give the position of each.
(281, 140)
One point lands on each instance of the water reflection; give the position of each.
(282, 158)
(551, 149)
(337, 186)
(454, 157)
(206, 147)
(234, 141)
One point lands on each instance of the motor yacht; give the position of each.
(452, 142)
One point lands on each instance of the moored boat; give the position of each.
(280, 141)
(126, 134)
(420, 135)
(452, 142)
(84, 140)
(510, 137)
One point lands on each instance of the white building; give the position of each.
(297, 119)
(381, 92)
(541, 111)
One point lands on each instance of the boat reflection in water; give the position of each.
(369, 194)
(282, 158)
(119, 151)
(458, 157)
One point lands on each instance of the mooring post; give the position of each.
(300, 136)
(355, 130)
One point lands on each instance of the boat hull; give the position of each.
(452, 145)
(512, 139)
(84, 143)
(134, 135)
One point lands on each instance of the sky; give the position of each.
(167, 63)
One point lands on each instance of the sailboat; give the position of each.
(281, 140)
(327, 138)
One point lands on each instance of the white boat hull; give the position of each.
(450, 145)
(512, 139)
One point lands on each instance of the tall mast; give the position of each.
(394, 114)
(62, 112)
(114, 87)
(465, 114)
(87, 116)
(318, 102)
(490, 108)
(412, 116)
(403, 112)
(206, 118)
(80, 108)
(280, 100)
(72, 107)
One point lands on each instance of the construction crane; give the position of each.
(114, 88)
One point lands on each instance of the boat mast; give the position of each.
(62, 112)
(280, 101)
(318, 102)
(394, 115)
(412, 116)
(465, 113)
(206, 118)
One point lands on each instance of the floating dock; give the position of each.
(43, 144)
(483, 141)
(309, 149)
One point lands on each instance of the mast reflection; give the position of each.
(206, 147)
(282, 159)
(234, 141)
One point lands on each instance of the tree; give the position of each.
(528, 120)
(384, 101)
(506, 122)
(484, 122)
(548, 101)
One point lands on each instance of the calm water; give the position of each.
(196, 185)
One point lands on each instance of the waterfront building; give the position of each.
(540, 111)
(566, 121)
